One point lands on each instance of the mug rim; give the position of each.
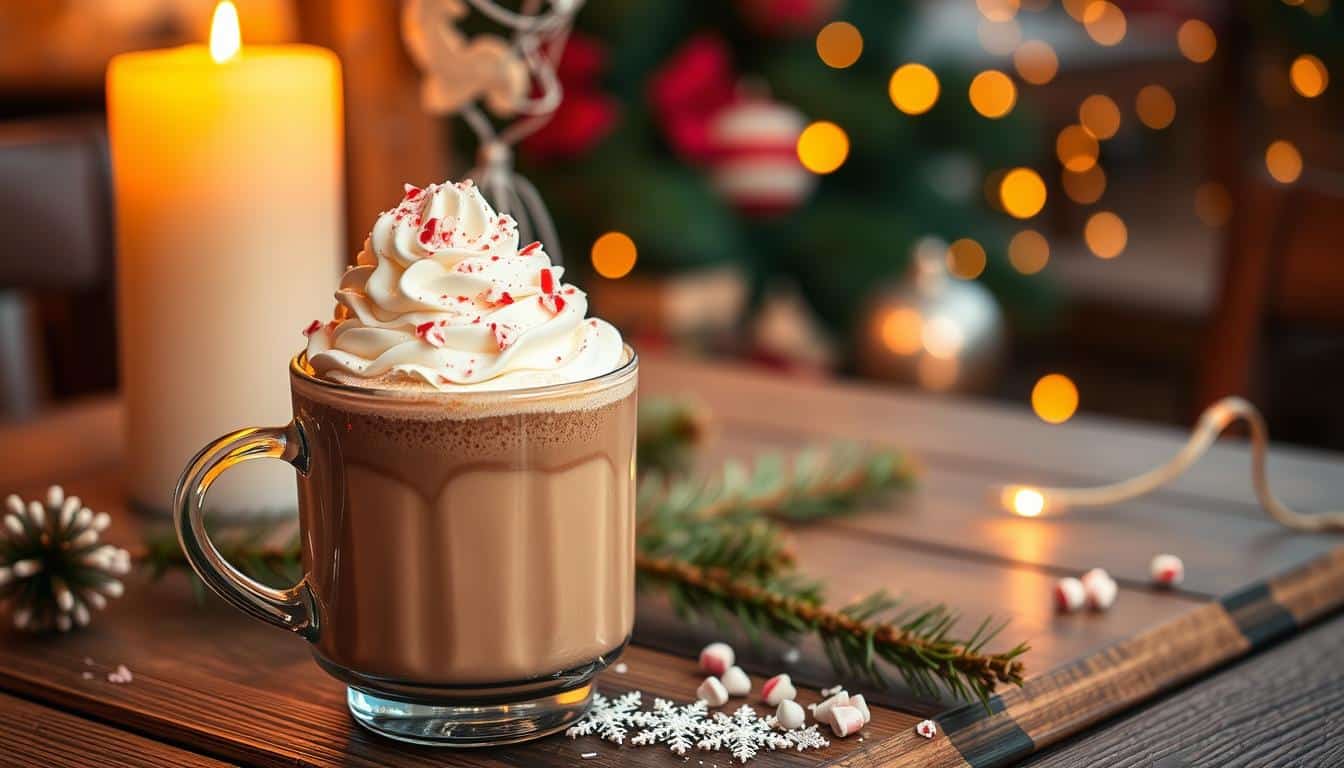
(298, 368)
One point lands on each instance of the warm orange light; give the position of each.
(1036, 62)
(1155, 106)
(997, 10)
(839, 44)
(1283, 161)
(901, 329)
(1105, 234)
(614, 255)
(1027, 502)
(1076, 148)
(913, 88)
(1309, 76)
(1054, 398)
(225, 38)
(1105, 22)
(823, 147)
(999, 37)
(937, 374)
(1022, 193)
(993, 93)
(942, 337)
(1100, 116)
(1213, 205)
(1084, 188)
(1196, 40)
(966, 259)
(1028, 252)
(1077, 8)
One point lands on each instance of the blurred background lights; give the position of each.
(1054, 398)
(839, 44)
(913, 88)
(1100, 116)
(1028, 252)
(1084, 188)
(1027, 502)
(1076, 148)
(999, 37)
(823, 147)
(1036, 62)
(937, 374)
(1156, 107)
(901, 330)
(614, 255)
(966, 259)
(1196, 40)
(1105, 22)
(942, 337)
(998, 10)
(1022, 193)
(1105, 234)
(1076, 8)
(993, 93)
(1283, 161)
(1309, 76)
(1213, 205)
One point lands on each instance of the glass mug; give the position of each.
(468, 557)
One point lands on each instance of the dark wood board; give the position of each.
(212, 680)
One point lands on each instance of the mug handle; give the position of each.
(293, 608)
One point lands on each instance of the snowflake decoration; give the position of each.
(805, 738)
(743, 733)
(669, 724)
(607, 718)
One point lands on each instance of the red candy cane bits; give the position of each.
(427, 231)
(1167, 570)
(529, 248)
(312, 328)
(430, 334)
(547, 281)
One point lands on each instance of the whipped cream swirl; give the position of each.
(442, 295)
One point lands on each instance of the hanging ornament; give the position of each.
(53, 571)
(456, 70)
(931, 329)
(788, 18)
(753, 158)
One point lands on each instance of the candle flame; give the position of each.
(1024, 502)
(225, 39)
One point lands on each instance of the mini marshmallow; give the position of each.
(790, 715)
(1167, 570)
(712, 692)
(736, 682)
(778, 688)
(927, 728)
(1101, 593)
(845, 720)
(822, 712)
(856, 701)
(1070, 595)
(716, 658)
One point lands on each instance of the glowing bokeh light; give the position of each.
(993, 93)
(913, 88)
(1309, 76)
(1027, 502)
(839, 44)
(1283, 161)
(1100, 116)
(1196, 40)
(1213, 205)
(999, 37)
(1105, 234)
(1036, 62)
(614, 255)
(937, 374)
(823, 147)
(1156, 107)
(1022, 193)
(1105, 22)
(997, 10)
(1076, 148)
(1084, 188)
(225, 37)
(901, 330)
(966, 259)
(1028, 252)
(1077, 8)
(1054, 398)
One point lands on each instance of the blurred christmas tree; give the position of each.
(680, 129)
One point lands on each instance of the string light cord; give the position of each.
(1028, 501)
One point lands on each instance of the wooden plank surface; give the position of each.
(31, 734)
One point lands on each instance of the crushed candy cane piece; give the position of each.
(1070, 595)
(712, 692)
(778, 688)
(1167, 570)
(736, 682)
(927, 728)
(716, 658)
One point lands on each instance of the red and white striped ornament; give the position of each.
(754, 157)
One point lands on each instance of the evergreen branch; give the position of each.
(669, 430)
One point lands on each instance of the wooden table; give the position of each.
(212, 686)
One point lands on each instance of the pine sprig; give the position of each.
(669, 430)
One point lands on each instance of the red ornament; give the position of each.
(586, 115)
(754, 159)
(689, 89)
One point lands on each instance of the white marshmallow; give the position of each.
(1070, 595)
(822, 712)
(736, 682)
(1167, 570)
(778, 688)
(790, 715)
(1101, 593)
(712, 692)
(716, 658)
(858, 703)
(845, 720)
(927, 728)
(1096, 574)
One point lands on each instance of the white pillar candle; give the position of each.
(227, 168)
